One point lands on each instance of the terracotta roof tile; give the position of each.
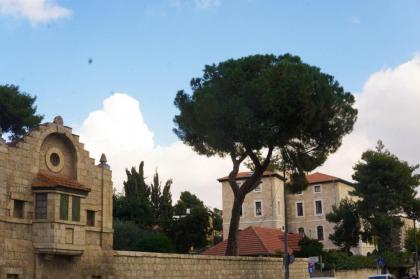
(45, 180)
(258, 241)
(312, 178)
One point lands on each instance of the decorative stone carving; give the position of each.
(58, 120)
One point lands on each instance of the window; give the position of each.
(278, 207)
(259, 187)
(299, 193)
(301, 230)
(64, 207)
(258, 208)
(317, 189)
(12, 276)
(318, 207)
(96, 276)
(299, 209)
(41, 205)
(90, 218)
(320, 232)
(18, 207)
(75, 209)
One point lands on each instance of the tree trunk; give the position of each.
(232, 248)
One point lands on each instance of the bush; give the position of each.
(155, 242)
(309, 247)
(128, 236)
(340, 260)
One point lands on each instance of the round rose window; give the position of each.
(54, 159)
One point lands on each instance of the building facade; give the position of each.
(55, 207)
(306, 211)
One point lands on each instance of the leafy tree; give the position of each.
(126, 235)
(257, 105)
(347, 225)
(136, 204)
(165, 206)
(17, 111)
(309, 248)
(217, 219)
(409, 240)
(161, 201)
(190, 230)
(155, 242)
(386, 186)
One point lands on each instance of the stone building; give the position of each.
(55, 207)
(306, 210)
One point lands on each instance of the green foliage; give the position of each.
(309, 248)
(17, 111)
(341, 260)
(409, 242)
(161, 201)
(190, 230)
(386, 186)
(130, 237)
(126, 235)
(261, 101)
(264, 102)
(347, 225)
(155, 242)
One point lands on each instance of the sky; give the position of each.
(111, 69)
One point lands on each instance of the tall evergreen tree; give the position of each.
(386, 186)
(165, 206)
(243, 106)
(137, 196)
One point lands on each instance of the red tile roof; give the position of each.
(312, 178)
(45, 180)
(246, 174)
(259, 241)
(318, 177)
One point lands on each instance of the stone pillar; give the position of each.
(106, 190)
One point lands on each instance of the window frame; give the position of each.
(317, 233)
(22, 209)
(320, 188)
(39, 214)
(303, 230)
(75, 213)
(322, 207)
(64, 210)
(255, 208)
(89, 224)
(303, 209)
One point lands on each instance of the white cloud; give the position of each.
(118, 130)
(200, 4)
(389, 109)
(36, 11)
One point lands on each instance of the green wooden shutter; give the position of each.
(64, 207)
(75, 211)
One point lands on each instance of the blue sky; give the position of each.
(151, 49)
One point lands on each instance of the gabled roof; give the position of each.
(259, 241)
(312, 178)
(318, 177)
(48, 181)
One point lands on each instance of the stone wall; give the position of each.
(358, 273)
(155, 265)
